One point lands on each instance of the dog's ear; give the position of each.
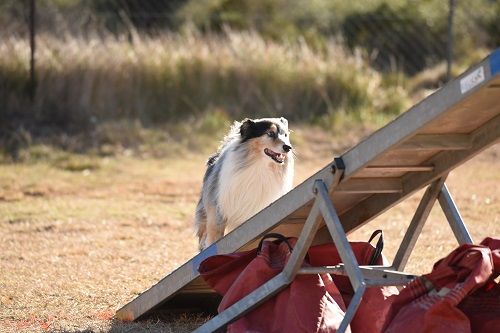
(246, 127)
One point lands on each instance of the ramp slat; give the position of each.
(437, 142)
(371, 185)
(392, 171)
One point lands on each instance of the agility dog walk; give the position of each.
(416, 150)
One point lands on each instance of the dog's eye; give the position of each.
(271, 134)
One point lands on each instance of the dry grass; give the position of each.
(83, 81)
(76, 244)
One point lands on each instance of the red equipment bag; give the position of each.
(459, 295)
(311, 303)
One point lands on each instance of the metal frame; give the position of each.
(454, 124)
(360, 277)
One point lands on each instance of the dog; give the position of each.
(253, 167)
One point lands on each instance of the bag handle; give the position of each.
(277, 236)
(378, 247)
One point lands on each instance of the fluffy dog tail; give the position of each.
(200, 224)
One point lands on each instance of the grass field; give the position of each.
(81, 235)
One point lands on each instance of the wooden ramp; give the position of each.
(417, 149)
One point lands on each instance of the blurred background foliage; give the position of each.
(200, 64)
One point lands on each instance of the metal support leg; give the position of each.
(303, 243)
(416, 224)
(345, 251)
(453, 216)
(308, 232)
(437, 190)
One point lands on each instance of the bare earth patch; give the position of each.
(75, 245)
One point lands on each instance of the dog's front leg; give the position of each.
(216, 225)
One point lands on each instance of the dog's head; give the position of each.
(268, 138)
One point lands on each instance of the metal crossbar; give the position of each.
(373, 275)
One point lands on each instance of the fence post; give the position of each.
(449, 53)
(32, 84)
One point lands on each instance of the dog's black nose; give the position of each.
(287, 148)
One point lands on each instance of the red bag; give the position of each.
(482, 307)
(371, 313)
(311, 303)
(459, 295)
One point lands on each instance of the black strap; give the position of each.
(378, 248)
(277, 236)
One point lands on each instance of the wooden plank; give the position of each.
(401, 157)
(401, 168)
(392, 171)
(436, 142)
(371, 185)
(198, 285)
(341, 200)
(443, 163)
(285, 229)
(467, 115)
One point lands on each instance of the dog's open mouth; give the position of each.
(277, 157)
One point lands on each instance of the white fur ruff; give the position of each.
(244, 192)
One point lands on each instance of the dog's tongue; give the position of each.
(276, 156)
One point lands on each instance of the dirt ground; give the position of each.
(76, 243)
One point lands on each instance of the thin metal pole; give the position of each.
(449, 53)
(417, 224)
(32, 49)
(453, 216)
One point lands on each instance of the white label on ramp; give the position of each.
(472, 80)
